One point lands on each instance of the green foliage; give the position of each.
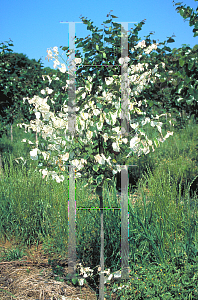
(94, 50)
(177, 91)
(188, 12)
(12, 254)
(176, 88)
(56, 269)
(94, 53)
(158, 281)
(177, 156)
(27, 202)
(15, 148)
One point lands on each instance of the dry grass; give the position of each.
(32, 278)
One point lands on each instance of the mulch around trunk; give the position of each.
(31, 278)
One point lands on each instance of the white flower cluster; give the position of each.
(142, 45)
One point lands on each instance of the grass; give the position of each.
(163, 240)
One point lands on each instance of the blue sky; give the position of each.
(34, 25)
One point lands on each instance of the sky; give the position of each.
(34, 25)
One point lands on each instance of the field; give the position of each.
(163, 241)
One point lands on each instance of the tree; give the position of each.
(92, 49)
(188, 12)
(94, 56)
(176, 90)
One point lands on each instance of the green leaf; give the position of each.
(64, 48)
(181, 62)
(196, 25)
(181, 11)
(99, 105)
(180, 87)
(190, 99)
(190, 65)
(99, 179)
(167, 49)
(170, 40)
(107, 21)
(71, 155)
(163, 79)
(151, 103)
(75, 281)
(104, 55)
(95, 168)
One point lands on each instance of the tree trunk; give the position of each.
(124, 224)
(72, 226)
(101, 287)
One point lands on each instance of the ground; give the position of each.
(31, 278)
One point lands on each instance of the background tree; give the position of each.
(176, 90)
(188, 12)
